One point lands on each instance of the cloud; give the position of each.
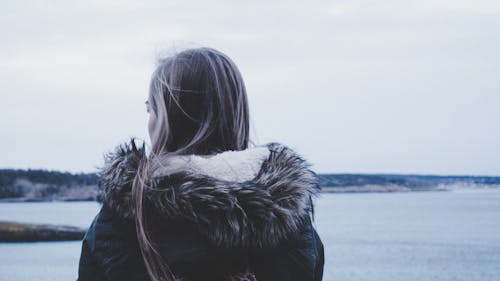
(360, 86)
(411, 7)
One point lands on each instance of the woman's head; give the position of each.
(197, 104)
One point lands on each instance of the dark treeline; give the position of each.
(46, 185)
(41, 185)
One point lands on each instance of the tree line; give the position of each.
(42, 184)
(413, 182)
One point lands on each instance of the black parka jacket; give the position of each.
(235, 215)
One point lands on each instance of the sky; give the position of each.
(358, 86)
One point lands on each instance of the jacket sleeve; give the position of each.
(299, 259)
(88, 268)
(320, 258)
(108, 251)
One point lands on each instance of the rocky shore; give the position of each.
(26, 232)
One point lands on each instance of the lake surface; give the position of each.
(368, 237)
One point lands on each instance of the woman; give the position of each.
(202, 205)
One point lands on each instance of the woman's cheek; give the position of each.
(151, 124)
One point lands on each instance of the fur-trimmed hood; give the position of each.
(250, 198)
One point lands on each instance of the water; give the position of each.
(368, 237)
(411, 236)
(67, 213)
(44, 261)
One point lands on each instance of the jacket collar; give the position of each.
(250, 198)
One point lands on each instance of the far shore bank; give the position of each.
(55, 186)
(35, 200)
(370, 188)
(399, 188)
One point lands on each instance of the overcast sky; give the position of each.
(354, 86)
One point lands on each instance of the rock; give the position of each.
(25, 232)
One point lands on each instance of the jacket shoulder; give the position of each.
(297, 259)
(103, 227)
(112, 246)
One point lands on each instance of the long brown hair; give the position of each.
(201, 107)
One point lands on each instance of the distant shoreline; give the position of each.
(325, 189)
(54, 186)
(37, 200)
(397, 188)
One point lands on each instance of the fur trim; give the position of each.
(237, 166)
(116, 178)
(255, 208)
